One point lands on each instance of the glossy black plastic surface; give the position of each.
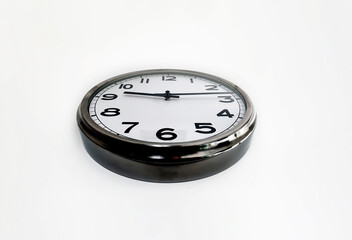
(166, 173)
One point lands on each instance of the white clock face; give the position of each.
(167, 108)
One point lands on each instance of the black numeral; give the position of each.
(133, 124)
(211, 87)
(109, 96)
(227, 99)
(126, 86)
(110, 112)
(207, 128)
(191, 79)
(145, 80)
(225, 113)
(169, 78)
(166, 134)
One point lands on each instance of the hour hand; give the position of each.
(167, 95)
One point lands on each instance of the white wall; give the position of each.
(292, 57)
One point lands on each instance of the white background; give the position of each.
(292, 57)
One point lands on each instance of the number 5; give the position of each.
(205, 126)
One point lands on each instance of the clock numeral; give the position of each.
(110, 112)
(191, 79)
(109, 96)
(166, 134)
(133, 124)
(169, 78)
(227, 99)
(144, 80)
(207, 128)
(225, 113)
(211, 87)
(126, 86)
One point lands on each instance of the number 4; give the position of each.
(225, 113)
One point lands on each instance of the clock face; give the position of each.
(167, 107)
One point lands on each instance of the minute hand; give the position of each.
(165, 95)
(200, 93)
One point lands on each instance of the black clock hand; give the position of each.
(165, 95)
(200, 93)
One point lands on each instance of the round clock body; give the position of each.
(166, 125)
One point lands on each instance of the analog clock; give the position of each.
(166, 125)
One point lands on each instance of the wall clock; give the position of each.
(166, 125)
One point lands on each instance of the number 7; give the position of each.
(133, 124)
